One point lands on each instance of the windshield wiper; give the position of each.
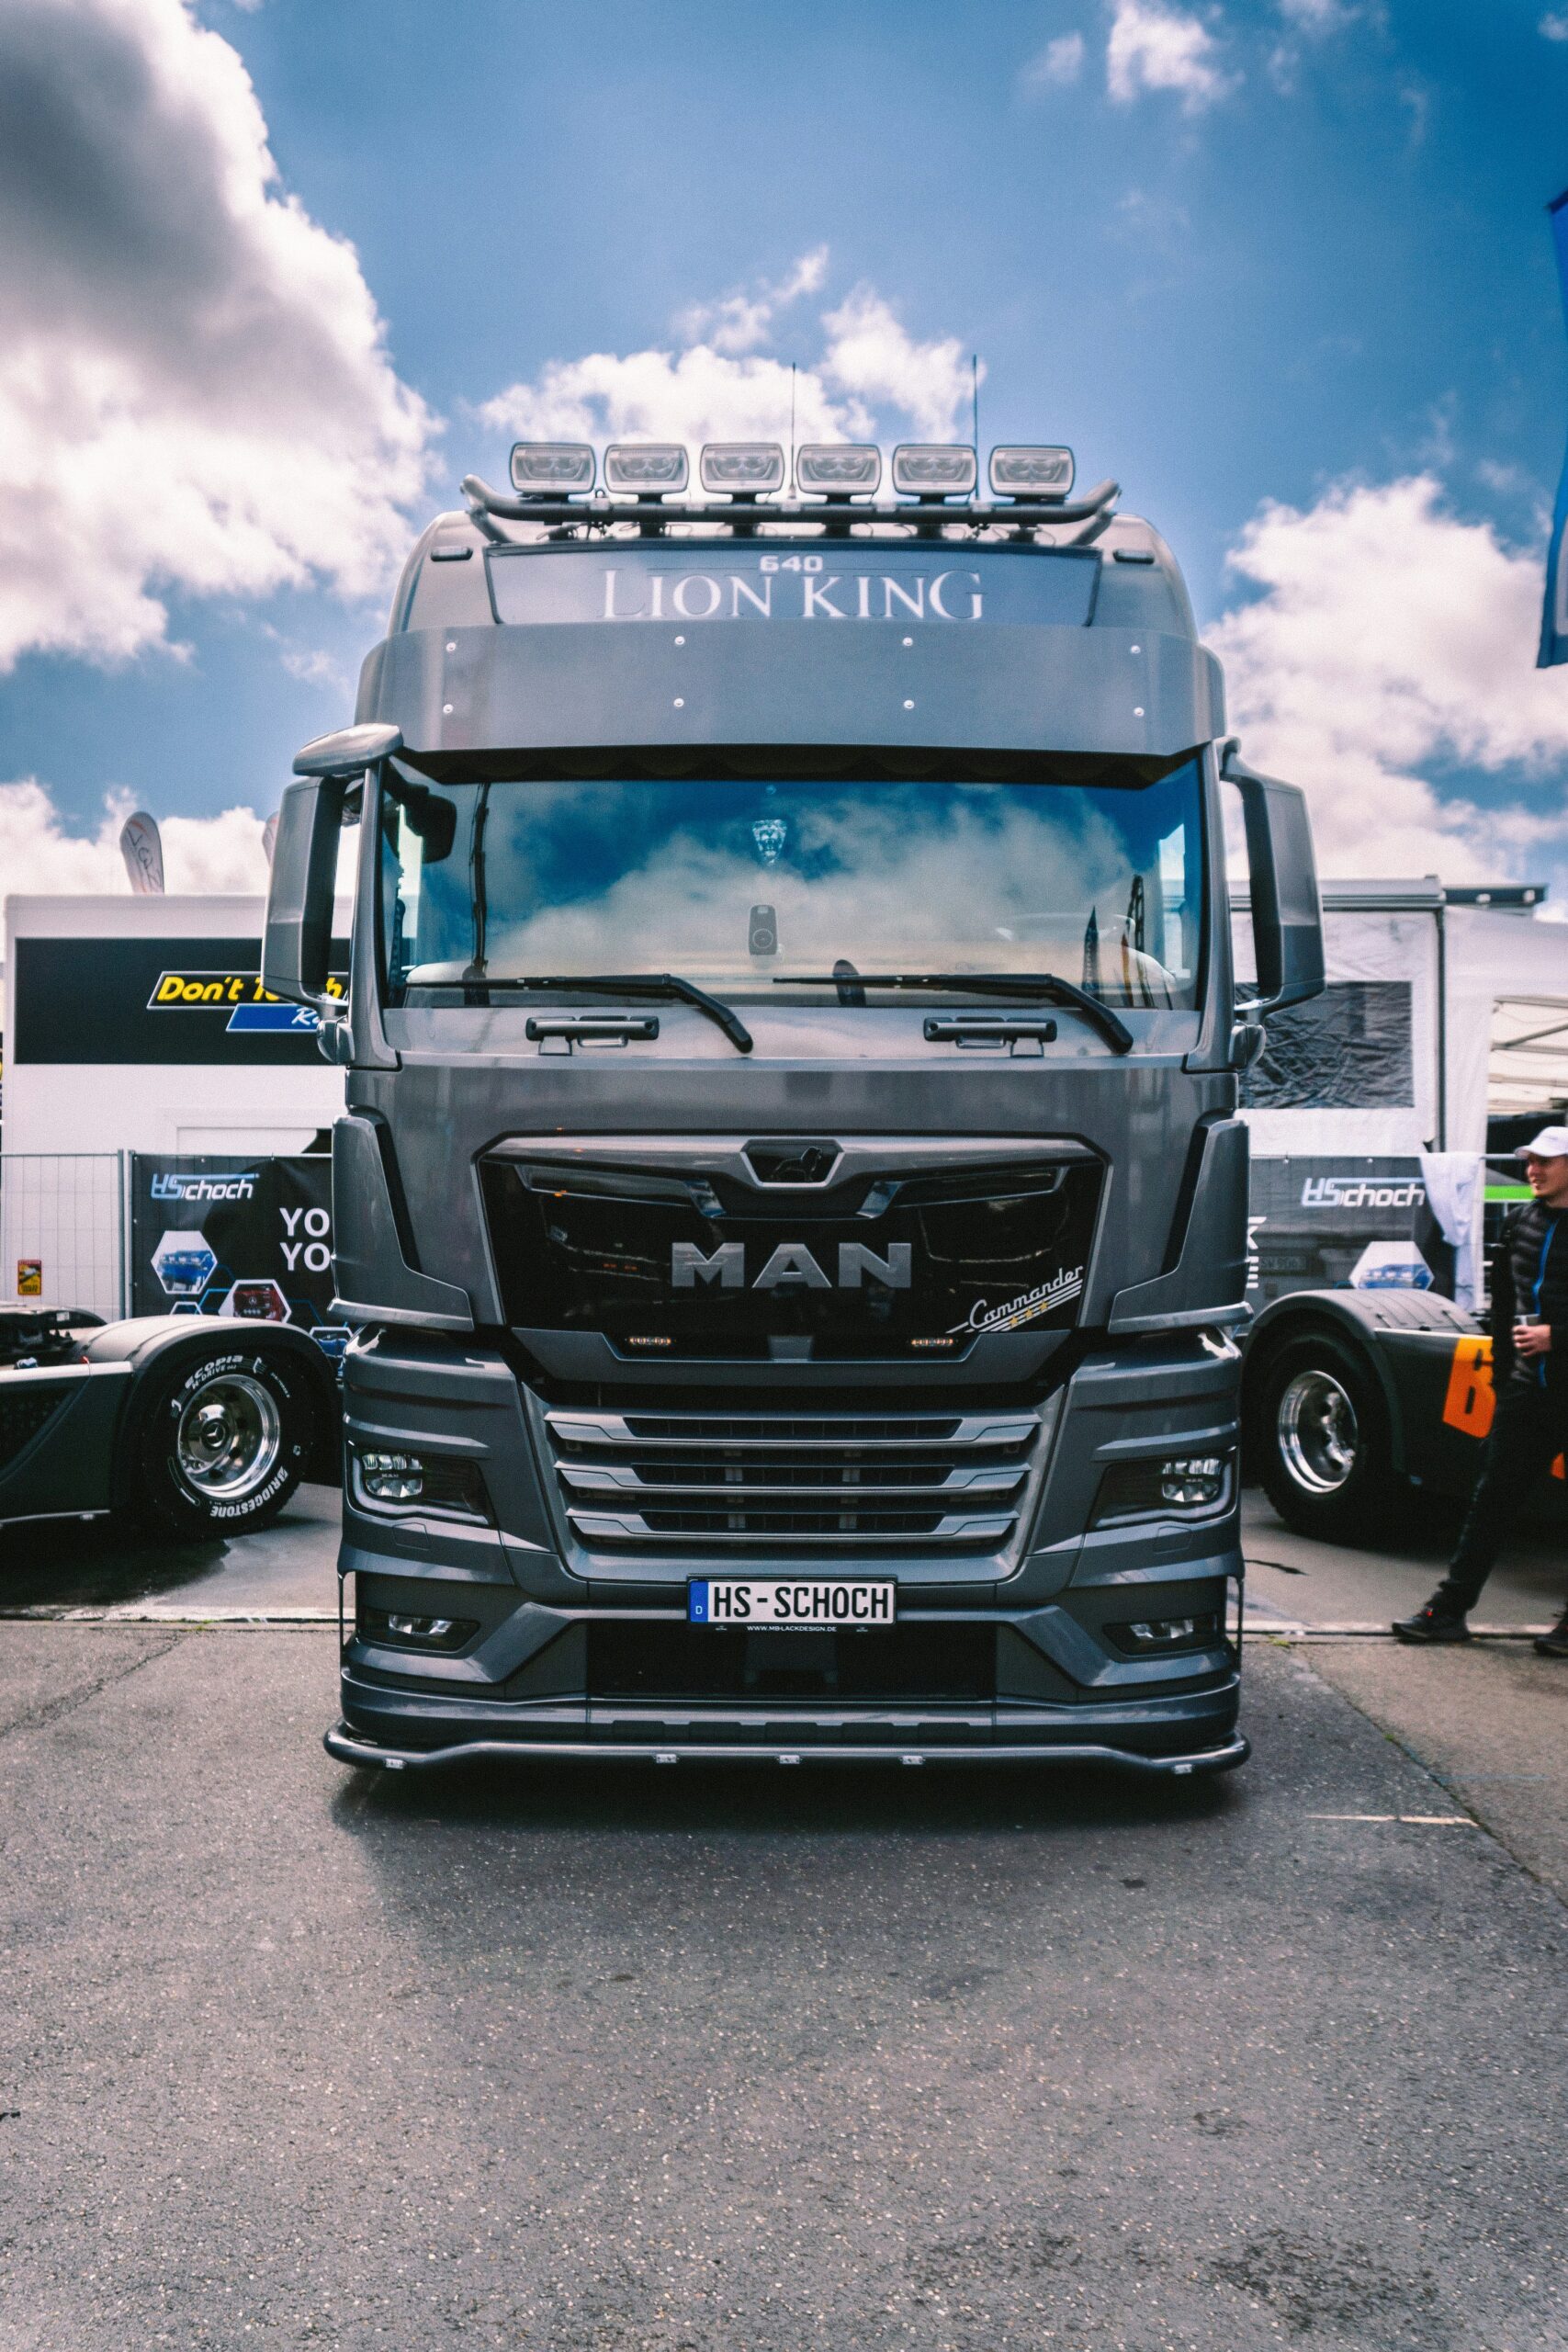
(657, 984)
(1026, 984)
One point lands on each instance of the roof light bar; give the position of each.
(552, 469)
(1031, 473)
(743, 467)
(934, 469)
(838, 467)
(651, 467)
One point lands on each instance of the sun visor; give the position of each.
(1011, 687)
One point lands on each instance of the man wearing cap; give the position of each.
(1529, 1376)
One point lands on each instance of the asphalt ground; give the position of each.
(752, 2061)
(724, 2063)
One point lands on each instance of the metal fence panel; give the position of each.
(62, 1229)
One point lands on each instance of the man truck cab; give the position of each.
(790, 1193)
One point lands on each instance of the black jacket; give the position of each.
(1530, 1277)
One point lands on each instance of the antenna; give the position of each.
(792, 424)
(975, 405)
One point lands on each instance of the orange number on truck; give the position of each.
(1471, 1400)
(1470, 1403)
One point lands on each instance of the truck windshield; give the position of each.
(738, 882)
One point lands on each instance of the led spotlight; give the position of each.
(1031, 473)
(934, 469)
(552, 469)
(840, 468)
(746, 467)
(652, 467)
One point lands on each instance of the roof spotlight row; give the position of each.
(924, 469)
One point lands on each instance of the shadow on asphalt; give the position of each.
(107, 1563)
(764, 1801)
(64, 1564)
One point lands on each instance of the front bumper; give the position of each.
(353, 1747)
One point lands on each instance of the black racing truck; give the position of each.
(791, 1198)
(189, 1428)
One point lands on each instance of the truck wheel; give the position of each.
(218, 1443)
(1324, 1441)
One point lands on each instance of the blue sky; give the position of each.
(1280, 266)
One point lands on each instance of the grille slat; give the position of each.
(771, 1484)
(770, 1431)
(706, 1482)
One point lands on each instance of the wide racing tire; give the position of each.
(1322, 1433)
(217, 1441)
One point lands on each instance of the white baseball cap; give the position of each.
(1551, 1143)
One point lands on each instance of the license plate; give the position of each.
(761, 1602)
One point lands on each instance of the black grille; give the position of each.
(22, 1418)
(874, 1262)
(909, 1664)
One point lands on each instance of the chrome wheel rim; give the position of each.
(1319, 1439)
(230, 1437)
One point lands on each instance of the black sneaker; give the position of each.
(1435, 1623)
(1555, 1643)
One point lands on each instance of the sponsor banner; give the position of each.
(181, 1000)
(1328, 1224)
(247, 1239)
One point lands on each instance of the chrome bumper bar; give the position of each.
(350, 1747)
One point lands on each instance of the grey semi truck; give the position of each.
(790, 1198)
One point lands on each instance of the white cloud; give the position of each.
(195, 393)
(1553, 26)
(740, 322)
(702, 393)
(695, 395)
(314, 668)
(871, 356)
(1317, 17)
(1058, 63)
(38, 852)
(1156, 46)
(1393, 639)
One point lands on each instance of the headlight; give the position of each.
(430, 1481)
(1151, 1488)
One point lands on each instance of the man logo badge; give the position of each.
(792, 1262)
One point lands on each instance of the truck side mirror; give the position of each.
(1287, 916)
(297, 952)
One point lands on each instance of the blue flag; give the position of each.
(1554, 618)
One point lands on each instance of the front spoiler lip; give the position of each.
(351, 1747)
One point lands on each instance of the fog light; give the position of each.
(1154, 1487)
(398, 1627)
(392, 1477)
(1167, 1633)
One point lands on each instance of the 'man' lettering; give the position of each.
(792, 1262)
(688, 1267)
